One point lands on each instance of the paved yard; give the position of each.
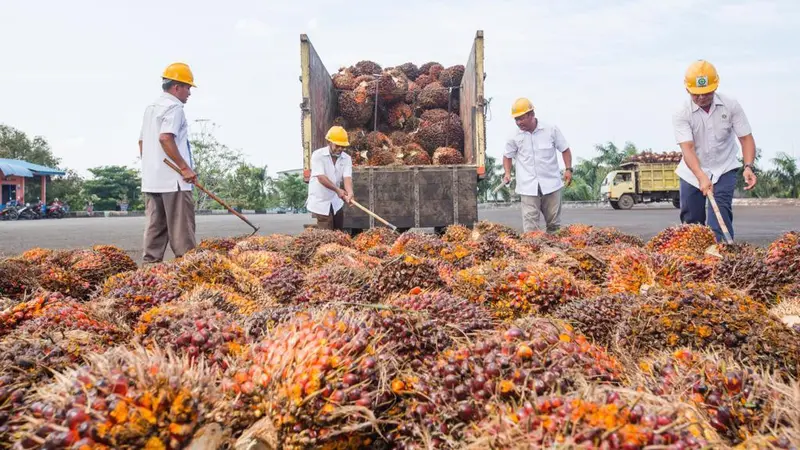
(756, 224)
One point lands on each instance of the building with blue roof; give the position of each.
(13, 173)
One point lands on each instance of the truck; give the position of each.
(641, 182)
(423, 196)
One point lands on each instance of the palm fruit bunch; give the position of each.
(122, 399)
(417, 244)
(672, 268)
(269, 243)
(195, 328)
(306, 243)
(219, 245)
(602, 418)
(215, 268)
(736, 400)
(752, 276)
(51, 312)
(476, 282)
(129, 294)
(227, 299)
(57, 278)
(596, 317)
(692, 239)
(533, 356)
(456, 234)
(404, 98)
(283, 283)
(328, 253)
(403, 273)
(317, 377)
(332, 283)
(655, 157)
(32, 308)
(36, 255)
(262, 263)
(260, 324)
(373, 237)
(91, 266)
(17, 278)
(591, 266)
(783, 254)
(603, 236)
(705, 315)
(630, 270)
(117, 258)
(492, 245)
(482, 227)
(538, 289)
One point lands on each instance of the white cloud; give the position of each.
(313, 23)
(252, 28)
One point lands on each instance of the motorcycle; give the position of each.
(9, 212)
(28, 212)
(55, 210)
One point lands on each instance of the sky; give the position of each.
(80, 73)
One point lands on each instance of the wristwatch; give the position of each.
(750, 166)
(568, 168)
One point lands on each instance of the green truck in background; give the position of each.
(641, 182)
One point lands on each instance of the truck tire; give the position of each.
(676, 202)
(614, 204)
(626, 201)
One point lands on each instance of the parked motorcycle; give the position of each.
(56, 210)
(9, 212)
(29, 212)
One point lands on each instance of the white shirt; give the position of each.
(320, 198)
(714, 134)
(536, 158)
(164, 115)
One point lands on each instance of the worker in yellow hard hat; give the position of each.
(169, 206)
(706, 128)
(331, 168)
(534, 147)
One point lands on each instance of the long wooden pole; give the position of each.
(212, 195)
(377, 217)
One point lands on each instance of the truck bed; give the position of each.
(406, 196)
(655, 177)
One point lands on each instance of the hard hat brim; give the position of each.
(703, 90)
(180, 81)
(340, 143)
(520, 113)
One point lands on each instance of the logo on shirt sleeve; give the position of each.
(701, 81)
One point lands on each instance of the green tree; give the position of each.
(15, 144)
(112, 184)
(215, 165)
(69, 189)
(292, 190)
(249, 187)
(494, 176)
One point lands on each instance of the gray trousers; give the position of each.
(547, 205)
(170, 218)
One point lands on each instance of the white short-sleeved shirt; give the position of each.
(320, 199)
(164, 115)
(536, 158)
(714, 134)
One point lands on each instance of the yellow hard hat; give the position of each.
(338, 136)
(520, 107)
(179, 72)
(701, 77)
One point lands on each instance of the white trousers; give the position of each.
(548, 206)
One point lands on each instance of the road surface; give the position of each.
(758, 225)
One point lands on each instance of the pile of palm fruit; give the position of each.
(478, 338)
(404, 115)
(655, 157)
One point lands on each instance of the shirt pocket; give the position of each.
(723, 129)
(544, 142)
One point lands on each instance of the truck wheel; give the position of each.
(626, 201)
(676, 202)
(614, 204)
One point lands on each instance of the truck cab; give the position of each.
(614, 187)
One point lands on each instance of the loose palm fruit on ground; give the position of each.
(533, 356)
(702, 315)
(315, 377)
(33, 308)
(58, 279)
(483, 227)
(260, 324)
(196, 328)
(330, 252)
(735, 399)
(456, 234)
(676, 267)
(536, 290)
(122, 399)
(17, 278)
(219, 245)
(283, 283)
(128, 294)
(401, 274)
(602, 419)
(373, 237)
(119, 260)
(476, 282)
(227, 299)
(306, 243)
(596, 317)
(693, 238)
(418, 244)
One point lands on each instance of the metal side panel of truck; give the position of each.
(406, 196)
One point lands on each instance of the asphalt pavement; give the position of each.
(758, 225)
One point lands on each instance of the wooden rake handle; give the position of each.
(212, 195)
(722, 225)
(377, 217)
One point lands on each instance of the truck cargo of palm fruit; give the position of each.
(643, 178)
(416, 132)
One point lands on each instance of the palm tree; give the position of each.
(787, 175)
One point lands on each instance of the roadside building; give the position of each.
(14, 172)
